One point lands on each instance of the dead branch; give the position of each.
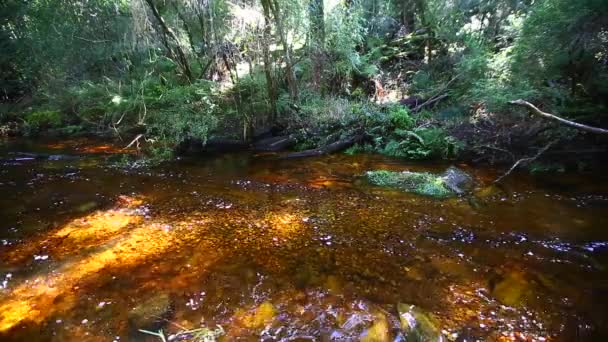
(438, 96)
(525, 160)
(429, 102)
(136, 140)
(577, 125)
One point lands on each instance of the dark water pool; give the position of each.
(290, 250)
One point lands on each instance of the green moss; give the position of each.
(422, 183)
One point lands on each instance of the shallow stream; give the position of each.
(290, 250)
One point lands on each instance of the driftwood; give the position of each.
(577, 125)
(525, 160)
(333, 147)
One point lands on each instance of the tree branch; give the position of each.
(577, 125)
(525, 160)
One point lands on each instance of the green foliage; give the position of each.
(43, 119)
(543, 168)
(183, 113)
(421, 183)
(346, 28)
(488, 78)
(421, 143)
(188, 70)
(400, 117)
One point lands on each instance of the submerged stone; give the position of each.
(378, 332)
(418, 325)
(457, 180)
(151, 314)
(262, 316)
(451, 183)
(88, 206)
(511, 288)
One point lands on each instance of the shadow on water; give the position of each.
(288, 250)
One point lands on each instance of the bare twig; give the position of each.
(497, 149)
(160, 334)
(96, 41)
(525, 160)
(577, 125)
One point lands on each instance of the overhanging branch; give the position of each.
(576, 125)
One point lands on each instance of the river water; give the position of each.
(291, 250)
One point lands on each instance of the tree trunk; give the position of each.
(270, 85)
(317, 35)
(188, 34)
(291, 75)
(182, 60)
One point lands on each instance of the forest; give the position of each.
(417, 79)
(303, 170)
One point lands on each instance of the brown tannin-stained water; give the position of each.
(291, 250)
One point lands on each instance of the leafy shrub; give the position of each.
(43, 119)
(421, 143)
(183, 113)
(400, 117)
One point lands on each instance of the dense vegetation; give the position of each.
(416, 78)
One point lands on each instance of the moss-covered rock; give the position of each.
(450, 183)
(418, 325)
(417, 182)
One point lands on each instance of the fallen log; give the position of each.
(275, 143)
(550, 116)
(331, 148)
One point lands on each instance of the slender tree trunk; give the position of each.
(181, 56)
(317, 34)
(188, 34)
(270, 85)
(291, 75)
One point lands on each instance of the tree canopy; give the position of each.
(193, 69)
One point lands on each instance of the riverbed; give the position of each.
(291, 250)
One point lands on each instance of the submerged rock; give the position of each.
(511, 288)
(262, 316)
(151, 314)
(418, 325)
(457, 180)
(378, 332)
(451, 183)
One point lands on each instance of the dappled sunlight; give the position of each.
(33, 299)
(285, 224)
(289, 250)
(84, 146)
(107, 149)
(81, 233)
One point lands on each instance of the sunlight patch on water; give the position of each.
(34, 299)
